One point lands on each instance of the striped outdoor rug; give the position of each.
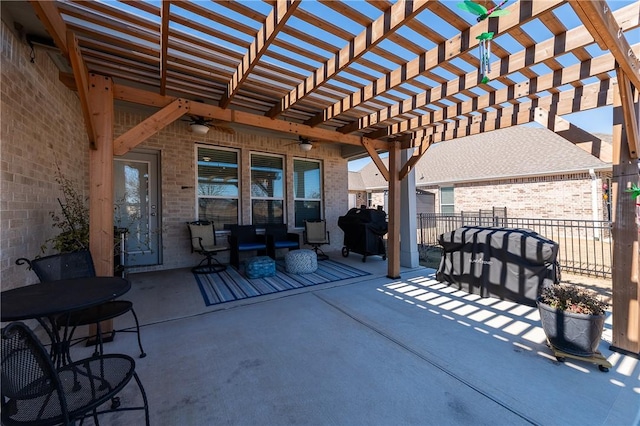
(234, 285)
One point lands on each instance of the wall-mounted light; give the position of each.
(199, 129)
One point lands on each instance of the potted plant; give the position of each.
(73, 223)
(572, 319)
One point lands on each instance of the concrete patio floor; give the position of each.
(369, 351)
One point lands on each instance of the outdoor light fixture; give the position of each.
(199, 129)
(305, 145)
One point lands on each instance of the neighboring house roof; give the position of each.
(508, 153)
(355, 182)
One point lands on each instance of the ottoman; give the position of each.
(260, 267)
(301, 261)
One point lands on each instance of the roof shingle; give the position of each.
(513, 152)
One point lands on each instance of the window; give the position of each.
(307, 191)
(218, 186)
(446, 200)
(267, 189)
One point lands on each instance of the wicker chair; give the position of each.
(79, 264)
(34, 392)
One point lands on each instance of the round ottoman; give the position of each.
(301, 261)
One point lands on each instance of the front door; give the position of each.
(136, 207)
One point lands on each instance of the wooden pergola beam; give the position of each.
(577, 136)
(67, 42)
(150, 126)
(598, 18)
(423, 146)
(629, 112)
(48, 14)
(570, 74)
(593, 96)
(625, 337)
(444, 52)
(395, 206)
(81, 77)
(164, 44)
(276, 20)
(101, 175)
(376, 159)
(144, 97)
(383, 27)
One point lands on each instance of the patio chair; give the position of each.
(244, 238)
(278, 237)
(315, 234)
(203, 241)
(34, 392)
(79, 264)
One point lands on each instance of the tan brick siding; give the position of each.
(177, 156)
(41, 125)
(563, 196)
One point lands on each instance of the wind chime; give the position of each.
(484, 38)
(485, 56)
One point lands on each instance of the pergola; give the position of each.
(374, 76)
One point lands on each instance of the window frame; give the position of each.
(282, 199)
(321, 183)
(452, 204)
(198, 197)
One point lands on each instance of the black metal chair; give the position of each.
(278, 237)
(315, 234)
(244, 238)
(79, 264)
(203, 241)
(34, 392)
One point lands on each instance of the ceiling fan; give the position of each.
(201, 125)
(305, 144)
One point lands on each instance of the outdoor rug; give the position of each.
(234, 285)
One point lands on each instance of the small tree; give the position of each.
(72, 221)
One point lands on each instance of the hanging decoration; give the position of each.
(484, 38)
(481, 11)
(634, 190)
(485, 56)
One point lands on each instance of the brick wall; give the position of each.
(566, 196)
(41, 129)
(177, 157)
(563, 196)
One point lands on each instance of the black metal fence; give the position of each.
(585, 245)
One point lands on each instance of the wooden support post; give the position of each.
(393, 242)
(101, 175)
(626, 239)
(101, 239)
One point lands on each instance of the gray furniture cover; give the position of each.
(506, 263)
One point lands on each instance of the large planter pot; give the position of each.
(576, 334)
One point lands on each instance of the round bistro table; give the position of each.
(45, 301)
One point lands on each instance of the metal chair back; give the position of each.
(32, 388)
(78, 264)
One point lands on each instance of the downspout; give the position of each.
(594, 203)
